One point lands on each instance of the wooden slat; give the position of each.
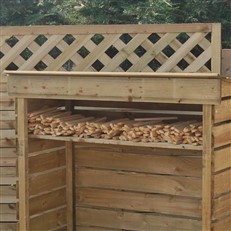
(223, 111)
(8, 172)
(37, 145)
(222, 159)
(207, 167)
(222, 206)
(47, 181)
(8, 212)
(174, 205)
(226, 88)
(81, 228)
(7, 139)
(3, 86)
(196, 91)
(139, 162)
(181, 52)
(23, 194)
(138, 182)
(47, 201)
(70, 186)
(46, 161)
(216, 48)
(8, 194)
(6, 226)
(223, 224)
(222, 134)
(6, 102)
(131, 28)
(48, 221)
(133, 221)
(8, 152)
(222, 183)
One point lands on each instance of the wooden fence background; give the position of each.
(146, 48)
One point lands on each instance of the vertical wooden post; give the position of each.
(23, 164)
(70, 186)
(207, 168)
(216, 48)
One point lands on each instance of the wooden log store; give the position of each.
(138, 138)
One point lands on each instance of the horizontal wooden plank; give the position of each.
(3, 86)
(8, 226)
(133, 221)
(6, 102)
(48, 221)
(223, 111)
(129, 89)
(8, 212)
(222, 183)
(222, 159)
(8, 172)
(46, 182)
(8, 194)
(48, 201)
(143, 202)
(145, 161)
(225, 88)
(222, 134)
(118, 142)
(8, 139)
(43, 146)
(7, 115)
(8, 180)
(223, 224)
(46, 161)
(79, 29)
(7, 124)
(82, 228)
(8, 162)
(139, 182)
(8, 152)
(222, 206)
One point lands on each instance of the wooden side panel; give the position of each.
(8, 226)
(222, 183)
(47, 182)
(223, 224)
(225, 88)
(223, 111)
(222, 159)
(125, 220)
(222, 134)
(222, 206)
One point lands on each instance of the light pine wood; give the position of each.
(47, 201)
(132, 221)
(47, 181)
(23, 164)
(130, 89)
(222, 206)
(143, 202)
(223, 111)
(138, 182)
(222, 159)
(222, 134)
(207, 168)
(70, 179)
(216, 48)
(152, 162)
(222, 183)
(223, 224)
(225, 62)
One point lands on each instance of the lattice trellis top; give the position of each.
(119, 48)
